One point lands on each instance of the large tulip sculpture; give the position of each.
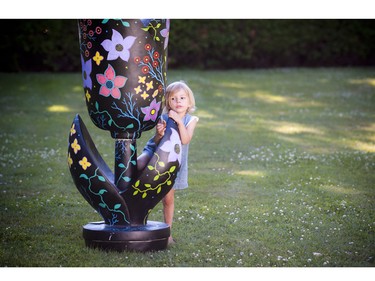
(124, 79)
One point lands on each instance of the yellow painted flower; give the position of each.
(75, 146)
(98, 58)
(142, 79)
(72, 130)
(138, 89)
(84, 163)
(144, 95)
(149, 85)
(70, 160)
(88, 96)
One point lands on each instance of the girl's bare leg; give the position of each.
(168, 210)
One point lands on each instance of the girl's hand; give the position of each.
(174, 115)
(160, 127)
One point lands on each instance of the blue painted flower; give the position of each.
(118, 46)
(86, 71)
(151, 112)
(165, 33)
(145, 22)
(173, 146)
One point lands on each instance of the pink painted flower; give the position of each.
(151, 112)
(110, 83)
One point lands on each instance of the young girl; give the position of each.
(179, 102)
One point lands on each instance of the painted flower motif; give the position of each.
(118, 46)
(84, 163)
(98, 30)
(137, 60)
(146, 59)
(98, 58)
(70, 160)
(151, 112)
(145, 69)
(145, 22)
(165, 33)
(75, 146)
(150, 85)
(110, 83)
(88, 96)
(138, 90)
(173, 146)
(72, 130)
(145, 95)
(86, 71)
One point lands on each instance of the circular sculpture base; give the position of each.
(150, 237)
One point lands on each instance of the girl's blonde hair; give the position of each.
(175, 87)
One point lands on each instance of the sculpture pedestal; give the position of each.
(150, 237)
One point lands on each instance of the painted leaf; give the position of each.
(102, 205)
(127, 179)
(117, 206)
(101, 178)
(102, 191)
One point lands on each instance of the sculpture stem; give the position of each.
(125, 163)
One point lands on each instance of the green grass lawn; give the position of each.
(281, 172)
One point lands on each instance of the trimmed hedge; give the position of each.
(271, 43)
(52, 44)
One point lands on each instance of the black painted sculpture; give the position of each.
(124, 81)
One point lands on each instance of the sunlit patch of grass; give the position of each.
(58, 108)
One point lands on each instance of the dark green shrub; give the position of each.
(52, 44)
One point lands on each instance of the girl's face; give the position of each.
(179, 101)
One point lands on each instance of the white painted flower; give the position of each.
(173, 146)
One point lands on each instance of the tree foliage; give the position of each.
(52, 44)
